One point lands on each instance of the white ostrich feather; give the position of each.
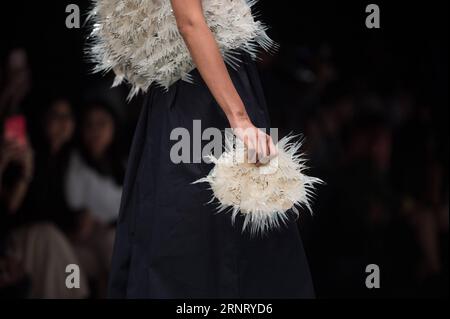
(139, 39)
(265, 194)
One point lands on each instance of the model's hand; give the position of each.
(260, 147)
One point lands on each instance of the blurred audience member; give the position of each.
(16, 83)
(33, 257)
(46, 199)
(96, 171)
(94, 185)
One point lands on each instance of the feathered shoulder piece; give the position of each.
(139, 39)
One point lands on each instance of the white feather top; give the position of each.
(139, 39)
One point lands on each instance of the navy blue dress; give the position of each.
(169, 242)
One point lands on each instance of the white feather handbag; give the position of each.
(264, 194)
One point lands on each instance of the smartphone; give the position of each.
(15, 129)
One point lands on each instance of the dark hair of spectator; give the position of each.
(112, 163)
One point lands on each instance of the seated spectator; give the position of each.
(17, 83)
(94, 186)
(33, 257)
(96, 172)
(46, 199)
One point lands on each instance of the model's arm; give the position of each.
(208, 59)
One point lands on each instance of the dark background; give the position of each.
(373, 105)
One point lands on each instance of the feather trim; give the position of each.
(139, 39)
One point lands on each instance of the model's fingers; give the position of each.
(264, 150)
(253, 145)
(245, 140)
(273, 150)
(252, 156)
(251, 148)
